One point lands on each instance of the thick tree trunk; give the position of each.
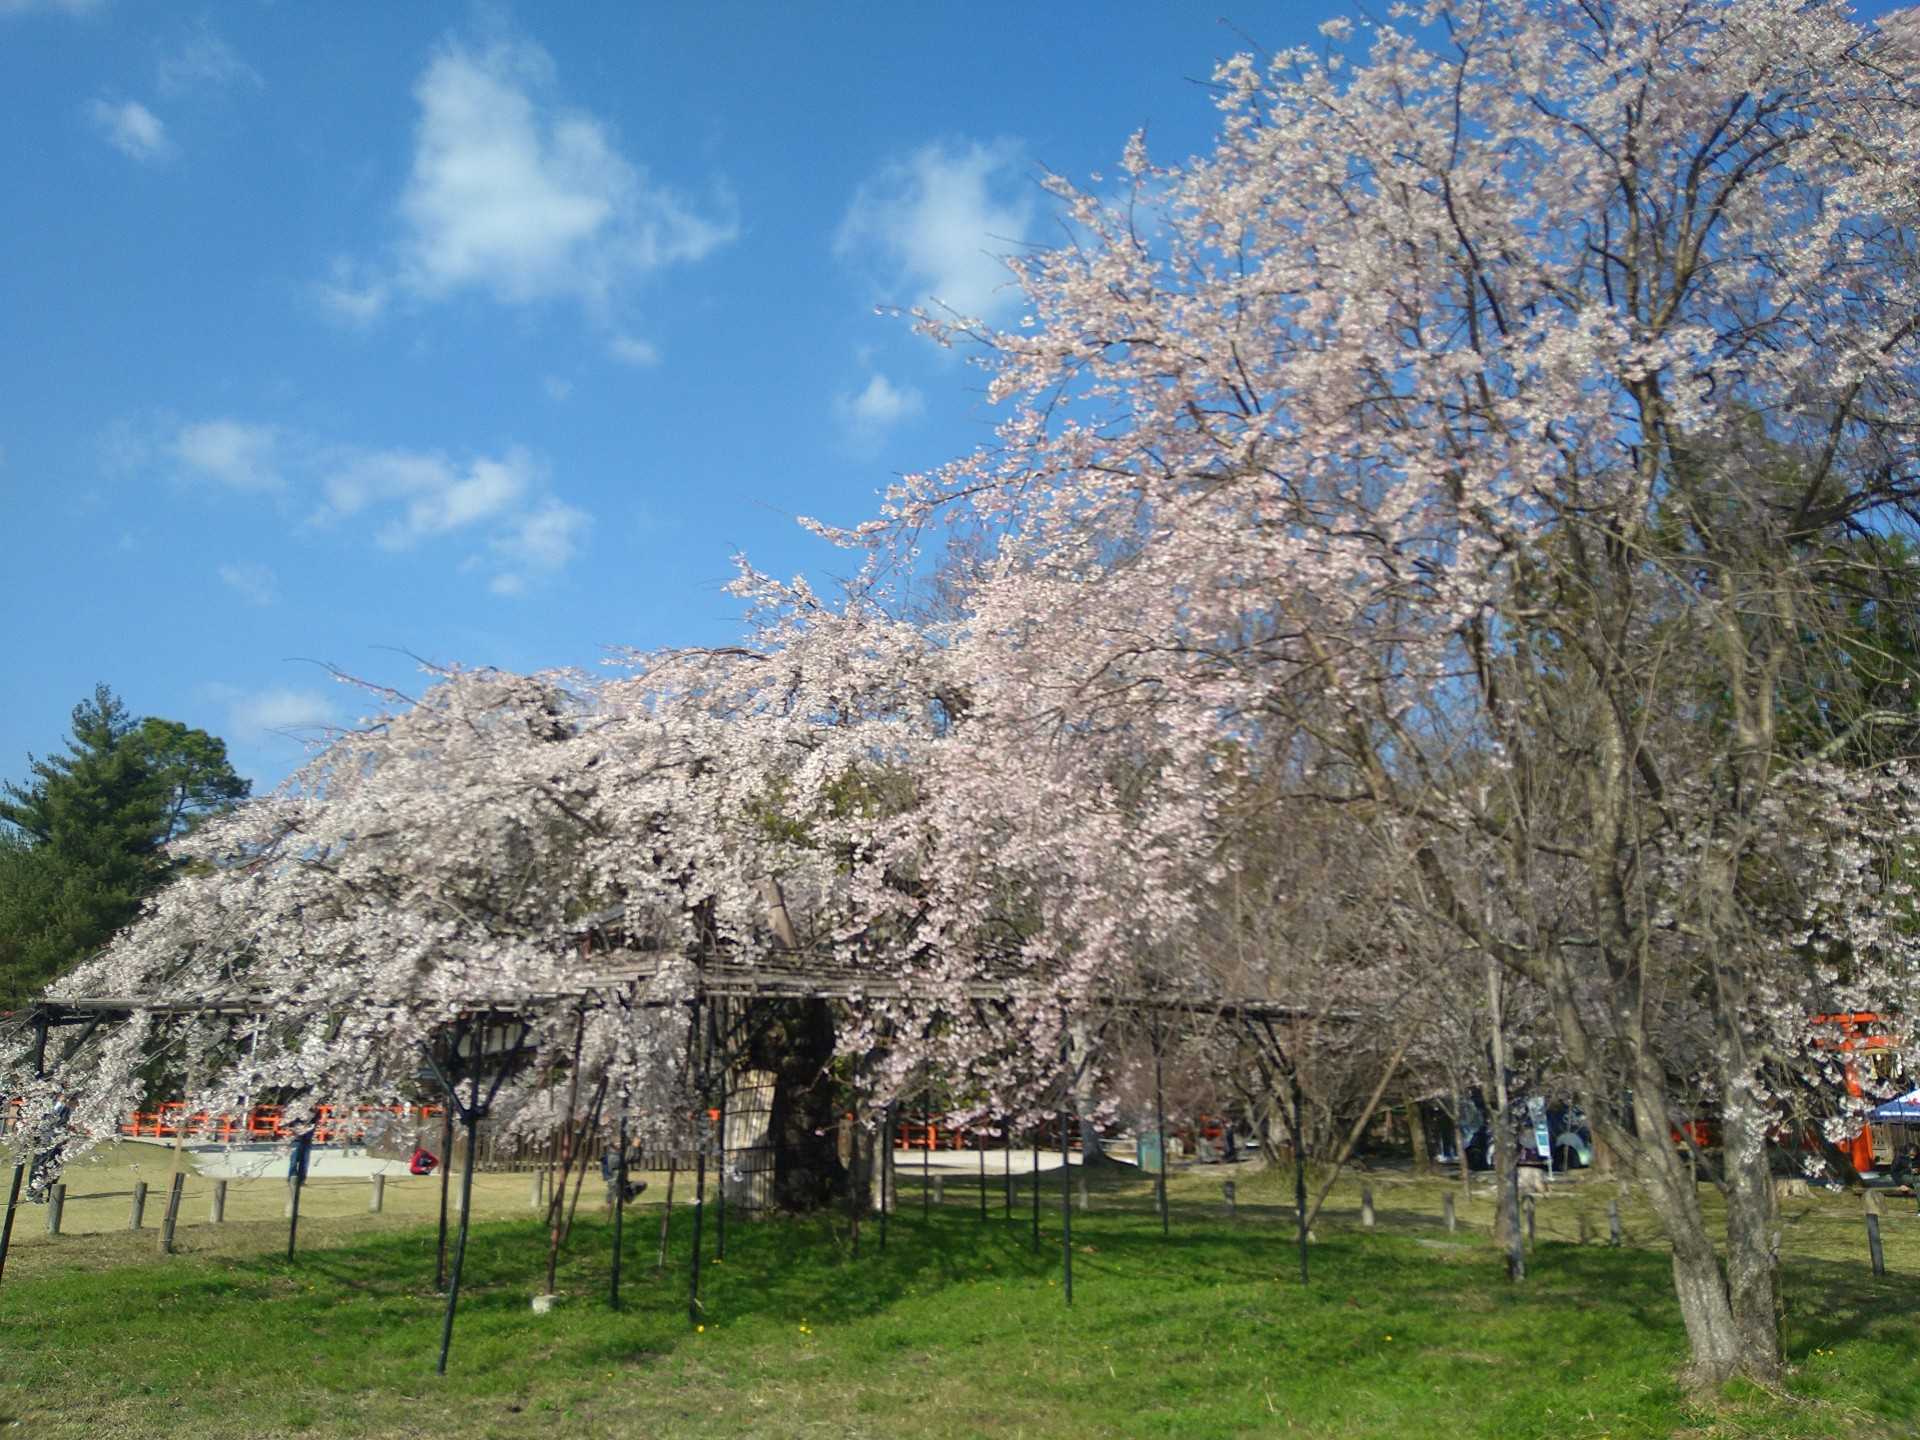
(1699, 1284)
(1753, 1240)
(797, 1046)
(1417, 1140)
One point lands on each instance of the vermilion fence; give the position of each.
(267, 1122)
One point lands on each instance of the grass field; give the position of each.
(957, 1329)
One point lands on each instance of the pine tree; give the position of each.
(87, 831)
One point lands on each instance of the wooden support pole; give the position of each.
(1874, 1253)
(217, 1211)
(378, 1198)
(56, 1208)
(175, 1188)
(939, 1189)
(139, 1204)
(1446, 1206)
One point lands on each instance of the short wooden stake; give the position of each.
(379, 1196)
(139, 1204)
(939, 1190)
(1528, 1205)
(217, 1213)
(56, 1208)
(1080, 1191)
(1226, 1191)
(1366, 1206)
(1446, 1208)
(1873, 1244)
(537, 1191)
(172, 1219)
(1613, 1223)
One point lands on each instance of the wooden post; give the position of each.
(1582, 1219)
(1446, 1206)
(379, 1196)
(1873, 1244)
(1613, 1222)
(1366, 1207)
(1226, 1191)
(939, 1189)
(1529, 1209)
(56, 1208)
(139, 1204)
(1080, 1189)
(536, 1191)
(218, 1213)
(175, 1188)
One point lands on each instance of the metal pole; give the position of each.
(1299, 1168)
(720, 1150)
(301, 1153)
(886, 1170)
(446, 1174)
(700, 1185)
(1066, 1210)
(1036, 1184)
(983, 1178)
(1160, 1123)
(20, 1170)
(1006, 1166)
(619, 1205)
(926, 1152)
(466, 1216)
(853, 1178)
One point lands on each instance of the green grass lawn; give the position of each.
(957, 1329)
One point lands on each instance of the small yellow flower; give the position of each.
(699, 1329)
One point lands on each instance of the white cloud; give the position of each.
(934, 225)
(631, 351)
(542, 541)
(558, 387)
(254, 715)
(435, 495)
(238, 455)
(515, 195)
(132, 129)
(204, 63)
(255, 583)
(352, 296)
(868, 415)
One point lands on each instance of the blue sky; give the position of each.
(489, 334)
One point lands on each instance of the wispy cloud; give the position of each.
(239, 455)
(631, 351)
(253, 715)
(352, 295)
(868, 414)
(252, 581)
(204, 63)
(132, 129)
(933, 226)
